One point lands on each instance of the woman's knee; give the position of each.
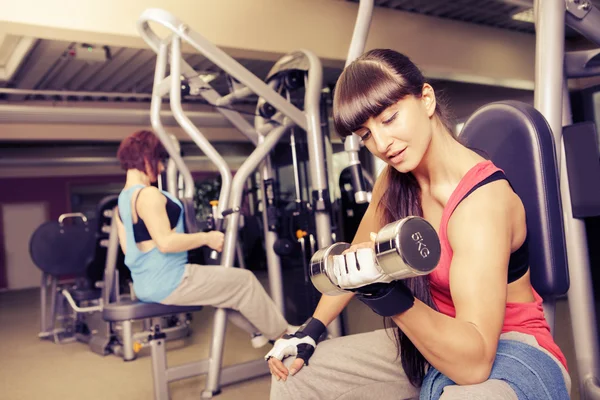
(284, 390)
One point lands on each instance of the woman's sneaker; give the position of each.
(259, 340)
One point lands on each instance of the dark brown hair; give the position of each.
(139, 147)
(372, 83)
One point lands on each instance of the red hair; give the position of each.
(141, 147)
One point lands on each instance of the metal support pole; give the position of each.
(127, 332)
(155, 119)
(159, 369)
(551, 99)
(273, 260)
(549, 72)
(317, 167)
(581, 293)
(549, 65)
(352, 142)
(193, 132)
(43, 306)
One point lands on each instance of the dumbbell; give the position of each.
(406, 248)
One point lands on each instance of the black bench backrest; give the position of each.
(517, 138)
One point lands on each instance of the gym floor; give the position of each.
(33, 369)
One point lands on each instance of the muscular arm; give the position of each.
(480, 234)
(151, 208)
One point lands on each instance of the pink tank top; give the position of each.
(526, 318)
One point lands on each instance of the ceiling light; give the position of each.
(525, 16)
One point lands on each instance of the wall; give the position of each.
(55, 191)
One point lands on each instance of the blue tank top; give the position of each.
(155, 274)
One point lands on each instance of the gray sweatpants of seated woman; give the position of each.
(232, 288)
(366, 366)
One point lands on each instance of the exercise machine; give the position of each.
(69, 255)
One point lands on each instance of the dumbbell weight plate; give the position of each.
(407, 248)
(320, 263)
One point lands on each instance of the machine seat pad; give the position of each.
(135, 309)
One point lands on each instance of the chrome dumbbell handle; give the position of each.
(321, 265)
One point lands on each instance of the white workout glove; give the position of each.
(300, 344)
(357, 269)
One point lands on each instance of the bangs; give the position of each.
(364, 90)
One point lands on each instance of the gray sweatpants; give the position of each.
(238, 290)
(366, 366)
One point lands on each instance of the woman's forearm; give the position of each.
(455, 348)
(330, 307)
(178, 242)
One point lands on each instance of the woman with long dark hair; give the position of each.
(474, 327)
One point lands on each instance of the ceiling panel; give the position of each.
(494, 13)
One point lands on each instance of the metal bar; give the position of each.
(186, 370)
(262, 151)
(589, 24)
(316, 151)
(127, 332)
(172, 173)
(220, 318)
(159, 369)
(273, 260)
(159, 130)
(549, 55)
(213, 377)
(232, 67)
(295, 166)
(212, 96)
(581, 301)
(68, 93)
(245, 371)
(231, 374)
(164, 87)
(218, 57)
(295, 160)
(266, 172)
(233, 96)
(361, 30)
(518, 3)
(551, 99)
(352, 142)
(110, 266)
(577, 64)
(53, 161)
(194, 133)
(239, 252)
(43, 304)
(104, 116)
(317, 166)
(78, 309)
(172, 333)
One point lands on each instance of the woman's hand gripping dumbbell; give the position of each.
(403, 249)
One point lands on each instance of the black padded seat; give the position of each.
(135, 309)
(517, 138)
(86, 294)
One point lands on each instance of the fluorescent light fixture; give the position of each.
(525, 16)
